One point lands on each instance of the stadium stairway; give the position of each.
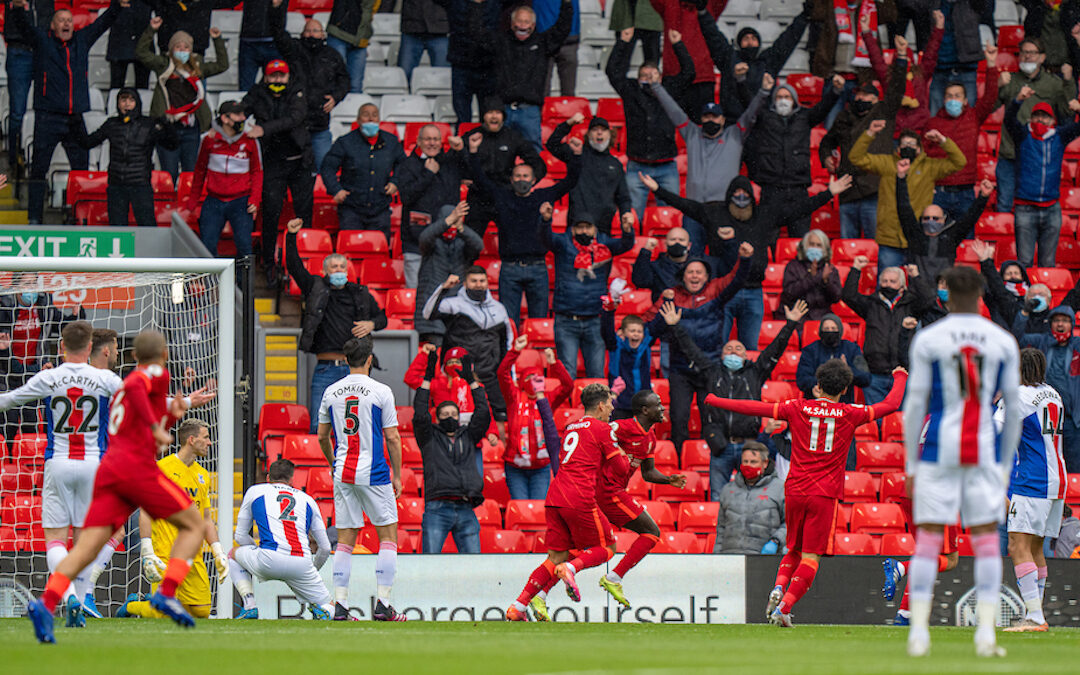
(280, 364)
(11, 213)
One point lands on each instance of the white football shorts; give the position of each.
(1036, 515)
(351, 502)
(975, 494)
(66, 491)
(298, 573)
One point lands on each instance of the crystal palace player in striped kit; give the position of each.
(286, 519)
(1037, 486)
(821, 432)
(573, 519)
(360, 413)
(128, 478)
(958, 366)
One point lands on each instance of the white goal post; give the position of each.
(155, 288)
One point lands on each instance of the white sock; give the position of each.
(518, 606)
(82, 585)
(101, 562)
(542, 595)
(613, 577)
(987, 582)
(901, 569)
(573, 570)
(922, 572)
(55, 552)
(1026, 579)
(1042, 582)
(342, 572)
(241, 578)
(386, 570)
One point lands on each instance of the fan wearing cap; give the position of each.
(1040, 149)
(447, 385)
(229, 166)
(280, 111)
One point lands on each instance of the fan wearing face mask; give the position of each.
(1007, 287)
(914, 110)
(448, 384)
(1045, 87)
(811, 276)
(1040, 148)
(922, 174)
(831, 345)
(778, 151)
(1062, 351)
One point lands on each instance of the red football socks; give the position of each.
(942, 563)
(800, 584)
(174, 574)
(638, 550)
(591, 557)
(787, 567)
(54, 591)
(542, 578)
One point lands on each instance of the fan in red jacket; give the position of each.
(448, 387)
(230, 166)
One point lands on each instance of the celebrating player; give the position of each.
(573, 519)
(360, 413)
(958, 366)
(286, 518)
(1037, 486)
(159, 535)
(821, 432)
(128, 478)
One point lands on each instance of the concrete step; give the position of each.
(264, 305)
(279, 394)
(281, 378)
(13, 217)
(281, 364)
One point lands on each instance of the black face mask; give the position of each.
(711, 128)
(908, 153)
(476, 294)
(521, 187)
(748, 54)
(448, 424)
(889, 293)
(583, 239)
(312, 43)
(830, 339)
(676, 250)
(861, 107)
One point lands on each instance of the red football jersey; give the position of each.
(587, 445)
(638, 445)
(140, 403)
(821, 433)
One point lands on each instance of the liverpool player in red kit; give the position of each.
(128, 478)
(821, 432)
(573, 519)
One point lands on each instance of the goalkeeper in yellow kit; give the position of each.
(194, 592)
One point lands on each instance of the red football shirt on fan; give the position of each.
(821, 433)
(140, 403)
(638, 445)
(587, 445)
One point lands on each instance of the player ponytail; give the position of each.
(1032, 367)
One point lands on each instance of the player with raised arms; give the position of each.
(359, 413)
(959, 365)
(573, 519)
(158, 536)
(128, 478)
(286, 518)
(1037, 485)
(821, 433)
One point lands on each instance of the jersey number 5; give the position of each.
(815, 433)
(352, 416)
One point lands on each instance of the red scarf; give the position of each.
(526, 433)
(1040, 131)
(590, 257)
(1017, 288)
(848, 34)
(185, 114)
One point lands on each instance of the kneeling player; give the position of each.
(285, 517)
(194, 591)
(821, 431)
(573, 519)
(1037, 486)
(128, 479)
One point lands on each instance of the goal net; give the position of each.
(192, 303)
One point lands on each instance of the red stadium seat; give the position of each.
(623, 540)
(1072, 489)
(845, 250)
(774, 280)
(898, 545)
(678, 542)
(634, 302)
(489, 515)
(775, 391)
(1056, 278)
(696, 456)
(502, 541)
(859, 487)
(525, 514)
(382, 273)
(637, 486)
(559, 108)
(280, 418)
(320, 483)
(769, 330)
(310, 243)
(404, 418)
(661, 219)
(867, 432)
(879, 457)
(360, 243)
(695, 489)
(843, 518)
(541, 332)
(611, 109)
(667, 460)
(787, 366)
(410, 513)
(892, 428)
(495, 486)
(853, 543)
(877, 518)
(786, 249)
(410, 453)
(580, 384)
(303, 450)
(564, 416)
(698, 517)
(893, 488)
(807, 86)
(963, 545)
(662, 389)
(661, 513)
(401, 303)
(1009, 38)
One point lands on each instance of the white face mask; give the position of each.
(784, 106)
(1028, 68)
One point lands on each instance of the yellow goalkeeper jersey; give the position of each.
(195, 481)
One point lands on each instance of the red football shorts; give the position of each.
(619, 507)
(569, 528)
(120, 490)
(811, 523)
(952, 532)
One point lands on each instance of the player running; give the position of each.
(127, 479)
(635, 437)
(159, 535)
(286, 519)
(573, 519)
(821, 432)
(1037, 486)
(958, 366)
(360, 414)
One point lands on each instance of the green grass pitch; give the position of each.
(227, 647)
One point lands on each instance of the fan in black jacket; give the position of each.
(132, 137)
(280, 108)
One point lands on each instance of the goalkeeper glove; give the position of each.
(152, 566)
(220, 562)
